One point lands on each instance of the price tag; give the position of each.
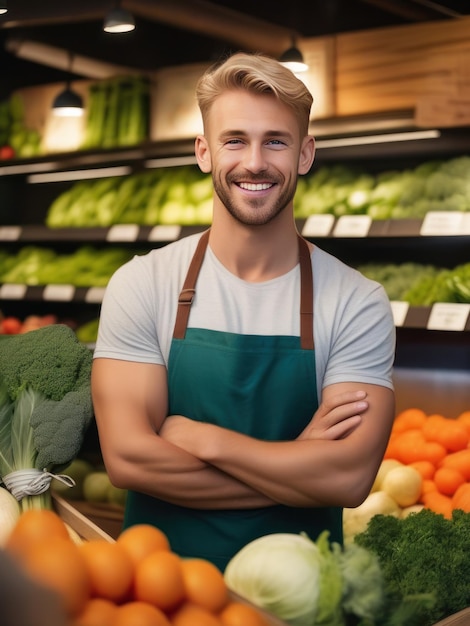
(352, 226)
(448, 316)
(399, 311)
(318, 225)
(10, 233)
(123, 232)
(10, 291)
(165, 232)
(95, 294)
(62, 293)
(466, 223)
(441, 223)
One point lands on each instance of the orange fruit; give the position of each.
(158, 579)
(190, 614)
(204, 584)
(97, 612)
(464, 418)
(425, 468)
(450, 433)
(32, 527)
(142, 539)
(57, 563)
(409, 418)
(110, 569)
(461, 498)
(447, 480)
(460, 461)
(240, 614)
(137, 613)
(439, 503)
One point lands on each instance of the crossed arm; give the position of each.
(195, 464)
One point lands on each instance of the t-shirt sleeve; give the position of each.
(127, 328)
(355, 332)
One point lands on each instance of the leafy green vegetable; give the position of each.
(45, 402)
(425, 565)
(308, 583)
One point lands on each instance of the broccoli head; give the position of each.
(50, 360)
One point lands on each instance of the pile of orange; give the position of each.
(135, 581)
(439, 448)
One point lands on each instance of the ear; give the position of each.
(203, 155)
(307, 154)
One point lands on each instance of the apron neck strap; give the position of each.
(188, 292)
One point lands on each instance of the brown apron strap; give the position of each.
(306, 296)
(186, 296)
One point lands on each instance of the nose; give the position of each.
(255, 160)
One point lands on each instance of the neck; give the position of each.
(255, 253)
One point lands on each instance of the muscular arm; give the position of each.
(333, 462)
(130, 402)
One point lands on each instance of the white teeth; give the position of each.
(255, 186)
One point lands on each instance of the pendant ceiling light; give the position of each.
(3, 7)
(293, 59)
(118, 20)
(68, 103)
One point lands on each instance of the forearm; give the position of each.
(162, 470)
(332, 463)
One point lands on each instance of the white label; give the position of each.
(448, 316)
(352, 226)
(165, 232)
(10, 291)
(123, 232)
(95, 294)
(318, 225)
(63, 293)
(466, 223)
(10, 233)
(399, 311)
(441, 223)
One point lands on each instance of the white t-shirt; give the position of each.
(354, 332)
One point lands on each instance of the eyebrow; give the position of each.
(227, 134)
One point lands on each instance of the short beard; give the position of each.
(260, 218)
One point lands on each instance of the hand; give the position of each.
(337, 416)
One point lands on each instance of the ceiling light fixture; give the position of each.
(68, 103)
(118, 20)
(3, 7)
(293, 59)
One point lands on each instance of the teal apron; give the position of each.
(262, 386)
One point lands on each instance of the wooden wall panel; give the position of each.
(393, 68)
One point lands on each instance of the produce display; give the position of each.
(426, 465)
(421, 285)
(398, 572)
(16, 140)
(91, 484)
(398, 194)
(86, 267)
(117, 113)
(180, 195)
(134, 580)
(45, 409)
(183, 195)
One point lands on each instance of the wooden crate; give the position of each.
(88, 531)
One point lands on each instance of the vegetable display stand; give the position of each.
(462, 618)
(87, 530)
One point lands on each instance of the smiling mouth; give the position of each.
(255, 186)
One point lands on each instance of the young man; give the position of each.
(267, 405)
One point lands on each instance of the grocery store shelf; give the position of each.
(440, 316)
(316, 226)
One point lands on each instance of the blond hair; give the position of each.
(256, 73)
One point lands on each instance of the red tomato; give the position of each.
(10, 326)
(6, 152)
